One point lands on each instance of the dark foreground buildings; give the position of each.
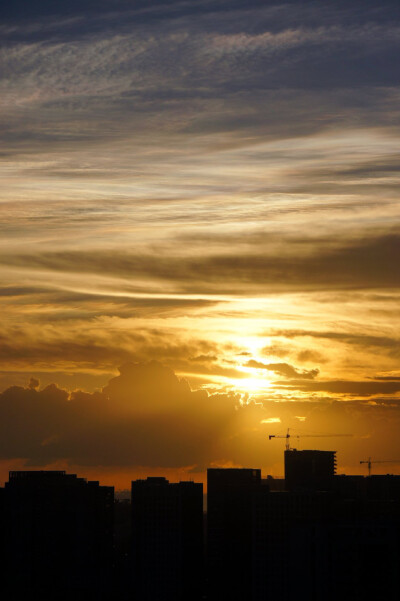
(167, 540)
(57, 536)
(230, 494)
(322, 537)
(325, 538)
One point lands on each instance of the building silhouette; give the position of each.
(229, 532)
(321, 537)
(285, 526)
(167, 540)
(122, 569)
(309, 470)
(324, 538)
(3, 550)
(357, 554)
(58, 536)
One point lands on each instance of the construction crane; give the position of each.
(288, 436)
(369, 462)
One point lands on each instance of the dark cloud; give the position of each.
(219, 13)
(84, 344)
(309, 355)
(358, 388)
(379, 177)
(191, 68)
(310, 264)
(277, 349)
(72, 379)
(146, 416)
(21, 291)
(204, 358)
(79, 305)
(359, 339)
(284, 369)
(33, 384)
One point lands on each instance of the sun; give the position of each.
(254, 344)
(254, 380)
(253, 384)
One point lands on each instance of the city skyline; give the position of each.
(199, 235)
(315, 534)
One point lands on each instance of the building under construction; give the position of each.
(309, 470)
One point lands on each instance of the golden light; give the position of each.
(253, 344)
(250, 385)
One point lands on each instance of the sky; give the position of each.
(199, 235)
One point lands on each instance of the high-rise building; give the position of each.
(230, 495)
(284, 526)
(328, 539)
(167, 540)
(309, 470)
(58, 536)
(2, 538)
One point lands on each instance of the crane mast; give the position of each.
(369, 462)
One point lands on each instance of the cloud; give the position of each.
(308, 355)
(146, 416)
(271, 420)
(313, 265)
(33, 384)
(94, 341)
(284, 369)
(182, 67)
(355, 388)
(358, 339)
(204, 358)
(277, 349)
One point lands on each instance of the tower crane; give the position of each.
(369, 462)
(288, 436)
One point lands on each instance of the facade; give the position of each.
(2, 538)
(309, 470)
(58, 535)
(283, 536)
(324, 538)
(230, 495)
(357, 557)
(167, 540)
(315, 545)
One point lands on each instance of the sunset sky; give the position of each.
(200, 237)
